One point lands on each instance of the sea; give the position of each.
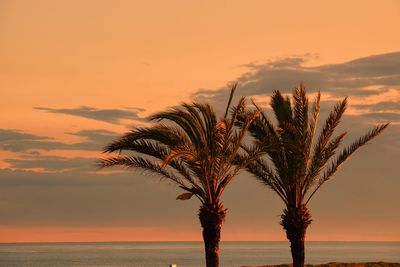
(188, 254)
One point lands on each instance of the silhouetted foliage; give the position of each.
(297, 163)
(191, 147)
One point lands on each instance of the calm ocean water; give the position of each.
(189, 254)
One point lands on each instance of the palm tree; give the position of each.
(197, 152)
(297, 163)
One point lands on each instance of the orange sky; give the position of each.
(154, 54)
(123, 234)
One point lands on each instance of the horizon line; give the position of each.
(197, 241)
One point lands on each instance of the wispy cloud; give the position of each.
(113, 116)
(17, 141)
(373, 82)
(52, 164)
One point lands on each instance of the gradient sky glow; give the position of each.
(76, 74)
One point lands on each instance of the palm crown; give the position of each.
(201, 154)
(298, 163)
(193, 149)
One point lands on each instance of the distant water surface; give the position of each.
(188, 254)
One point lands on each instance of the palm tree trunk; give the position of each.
(295, 222)
(297, 249)
(211, 219)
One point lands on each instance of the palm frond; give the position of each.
(168, 135)
(238, 140)
(236, 112)
(233, 89)
(300, 110)
(311, 130)
(266, 122)
(281, 107)
(183, 152)
(184, 120)
(313, 174)
(346, 153)
(266, 175)
(140, 163)
(210, 122)
(160, 152)
(327, 131)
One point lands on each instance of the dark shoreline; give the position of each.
(339, 264)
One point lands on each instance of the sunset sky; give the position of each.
(74, 75)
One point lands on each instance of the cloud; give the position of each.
(96, 139)
(113, 116)
(376, 66)
(372, 80)
(392, 117)
(381, 106)
(12, 135)
(53, 163)
(29, 146)
(17, 141)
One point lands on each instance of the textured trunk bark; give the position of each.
(295, 222)
(211, 219)
(297, 249)
(211, 237)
